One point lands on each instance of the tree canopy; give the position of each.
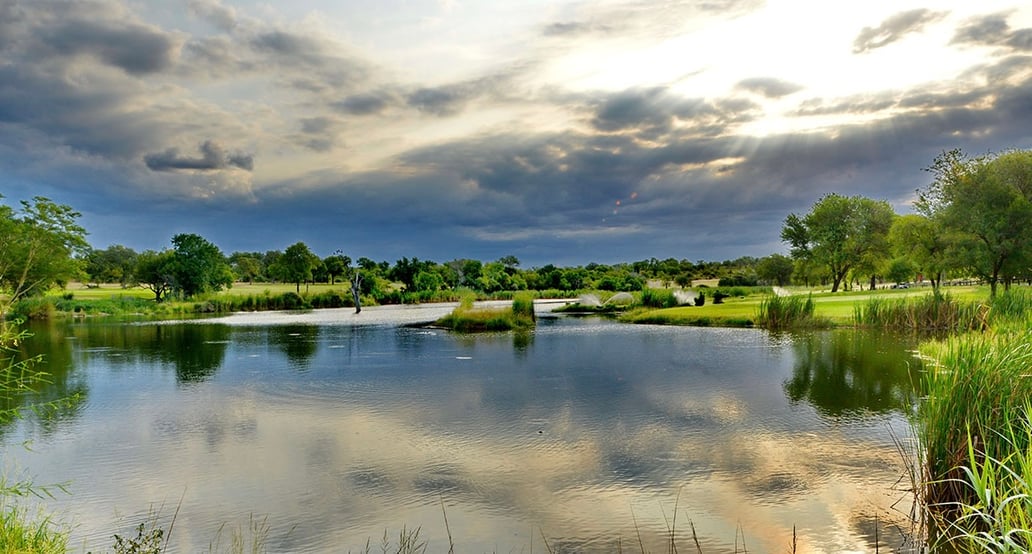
(40, 245)
(983, 206)
(198, 266)
(296, 264)
(840, 233)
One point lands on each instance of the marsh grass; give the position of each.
(789, 312)
(468, 318)
(934, 312)
(975, 429)
(658, 298)
(22, 533)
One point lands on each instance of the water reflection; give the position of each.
(586, 431)
(298, 342)
(56, 392)
(848, 373)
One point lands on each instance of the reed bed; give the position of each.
(468, 318)
(933, 312)
(789, 312)
(975, 427)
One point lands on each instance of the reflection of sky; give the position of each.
(591, 427)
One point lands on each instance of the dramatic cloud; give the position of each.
(137, 49)
(894, 28)
(213, 157)
(604, 131)
(993, 30)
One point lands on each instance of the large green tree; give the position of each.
(840, 233)
(40, 245)
(113, 264)
(154, 271)
(296, 265)
(198, 266)
(775, 269)
(985, 205)
(337, 265)
(924, 242)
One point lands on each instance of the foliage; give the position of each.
(902, 270)
(39, 247)
(337, 265)
(985, 207)
(921, 241)
(145, 542)
(295, 265)
(839, 233)
(197, 266)
(154, 271)
(775, 269)
(114, 264)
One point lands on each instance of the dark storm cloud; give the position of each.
(653, 112)
(213, 157)
(366, 103)
(993, 30)
(769, 87)
(298, 60)
(136, 48)
(894, 28)
(452, 98)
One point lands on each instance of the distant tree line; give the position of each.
(972, 220)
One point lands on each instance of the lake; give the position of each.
(328, 428)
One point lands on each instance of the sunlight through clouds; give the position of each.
(342, 109)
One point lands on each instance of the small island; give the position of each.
(468, 318)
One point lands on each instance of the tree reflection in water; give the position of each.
(843, 373)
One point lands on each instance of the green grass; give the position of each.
(21, 533)
(470, 319)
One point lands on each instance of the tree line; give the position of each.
(973, 219)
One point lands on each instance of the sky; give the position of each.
(557, 131)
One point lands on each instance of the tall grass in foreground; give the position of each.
(975, 428)
(789, 312)
(21, 533)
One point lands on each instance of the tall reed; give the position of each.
(788, 312)
(976, 433)
(931, 312)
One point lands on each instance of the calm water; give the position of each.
(332, 431)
